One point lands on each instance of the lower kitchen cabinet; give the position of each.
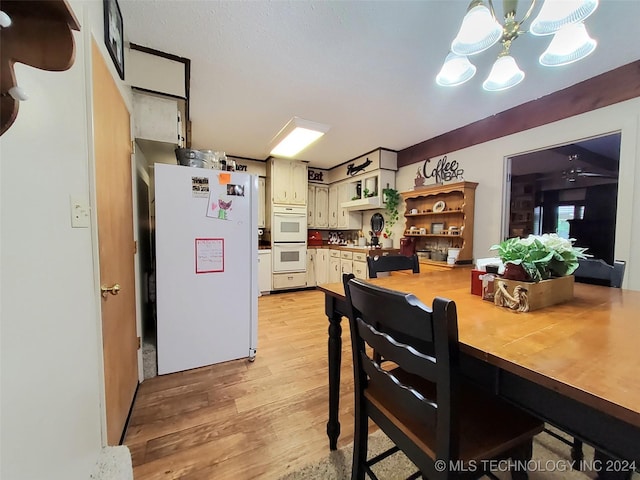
(311, 267)
(264, 271)
(335, 274)
(322, 266)
(360, 265)
(346, 263)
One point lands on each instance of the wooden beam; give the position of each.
(606, 89)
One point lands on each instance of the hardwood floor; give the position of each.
(242, 420)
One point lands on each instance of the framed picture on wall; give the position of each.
(114, 34)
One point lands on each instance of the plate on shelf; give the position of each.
(438, 206)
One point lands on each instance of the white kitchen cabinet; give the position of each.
(347, 219)
(360, 265)
(288, 182)
(335, 274)
(346, 266)
(364, 192)
(155, 118)
(340, 218)
(311, 267)
(318, 206)
(333, 206)
(346, 262)
(322, 266)
(321, 207)
(311, 205)
(264, 271)
(262, 201)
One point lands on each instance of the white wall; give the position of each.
(485, 164)
(51, 382)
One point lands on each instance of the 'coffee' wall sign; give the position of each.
(444, 171)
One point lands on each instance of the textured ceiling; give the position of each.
(366, 68)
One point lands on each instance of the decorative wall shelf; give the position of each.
(40, 36)
(459, 204)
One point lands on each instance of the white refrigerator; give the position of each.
(206, 235)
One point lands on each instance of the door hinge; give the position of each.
(139, 343)
(135, 247)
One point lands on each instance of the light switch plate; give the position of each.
(80, 212)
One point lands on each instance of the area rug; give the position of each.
(550, 461)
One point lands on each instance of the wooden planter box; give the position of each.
(539, 295)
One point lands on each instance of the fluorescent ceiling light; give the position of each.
(295, 136)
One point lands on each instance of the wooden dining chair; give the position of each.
(444, 424)
(594, 271)
(392, 263)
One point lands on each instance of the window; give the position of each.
(564, 214)
(537, 220)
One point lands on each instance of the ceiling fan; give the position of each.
(572, 174)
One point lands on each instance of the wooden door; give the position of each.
(112, 143)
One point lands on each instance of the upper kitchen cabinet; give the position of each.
(365, 192)
(160, 87)
(363, 179)
(340, 218)
(288, 181)
(318, 206)
(156, 118)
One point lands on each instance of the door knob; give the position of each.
(113, 290)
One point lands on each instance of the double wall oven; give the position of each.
(289, 237)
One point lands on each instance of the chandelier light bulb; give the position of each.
(456, 70)
(505, 73)
(556, 14)
(479, 31)
(569, 44)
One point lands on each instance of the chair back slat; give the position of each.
(421, 408)
(388, 311)
(392, 263)
(412, 361)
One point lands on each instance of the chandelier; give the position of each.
(480, 29)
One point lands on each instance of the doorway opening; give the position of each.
(571, 190)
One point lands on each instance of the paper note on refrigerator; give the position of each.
(209, 255)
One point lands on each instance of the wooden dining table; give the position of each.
(575, 365)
